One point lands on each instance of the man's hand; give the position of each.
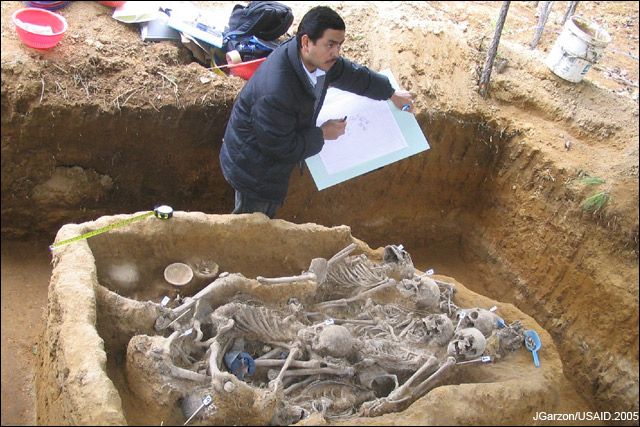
(333, 129)
(402, 98)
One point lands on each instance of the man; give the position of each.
(272, 127)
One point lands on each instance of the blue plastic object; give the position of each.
(240, 364)
(533, 344)
(49, 5)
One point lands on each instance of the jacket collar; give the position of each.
(296, 62)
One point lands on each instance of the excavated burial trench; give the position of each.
(477, 206)
(125, 270)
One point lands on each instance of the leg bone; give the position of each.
(428, 383)
(277, 382)
(341, 372)
(400, 393)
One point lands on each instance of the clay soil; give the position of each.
(106, 123)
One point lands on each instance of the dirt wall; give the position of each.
(71, 387)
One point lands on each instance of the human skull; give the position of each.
(408, 287)
(398, 262)
(295, 305)
(429, 293)
(329, 340)
(467, 343)
(481, 319)
(423, 291)
(439, 328)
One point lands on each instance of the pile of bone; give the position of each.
(376, 337)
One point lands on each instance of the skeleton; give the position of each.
(343, 273)
(403, 325)
(318, 269)
(360, 272)
(333, 398)
(421, 292)
(323, 343)
(392, 356)
(364, 358)
(328, 340)
(261, 324)
(402, 397)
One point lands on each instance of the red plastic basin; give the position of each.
(112, 3)
(39, 28)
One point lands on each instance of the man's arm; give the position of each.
(358, 79)
(349, 76)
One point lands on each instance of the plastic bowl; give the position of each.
(245, 69)
(112, 3)
(39, 28)
(49, 5)
(178, 274)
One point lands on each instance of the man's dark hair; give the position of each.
(316, 21)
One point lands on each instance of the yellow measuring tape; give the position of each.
(162, 212)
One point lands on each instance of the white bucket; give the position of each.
(579, 46)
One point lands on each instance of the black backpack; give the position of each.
(250, 47)
(267, 20)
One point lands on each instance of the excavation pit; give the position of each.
(496, 203)
(481, 206)
(134, 367)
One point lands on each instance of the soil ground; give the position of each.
(25, 276)
(100, 61)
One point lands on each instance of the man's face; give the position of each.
(325, 52)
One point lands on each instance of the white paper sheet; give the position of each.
(371, 131)
(377, 134)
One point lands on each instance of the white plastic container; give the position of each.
(579, 46)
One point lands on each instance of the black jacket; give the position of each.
(273, 123)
